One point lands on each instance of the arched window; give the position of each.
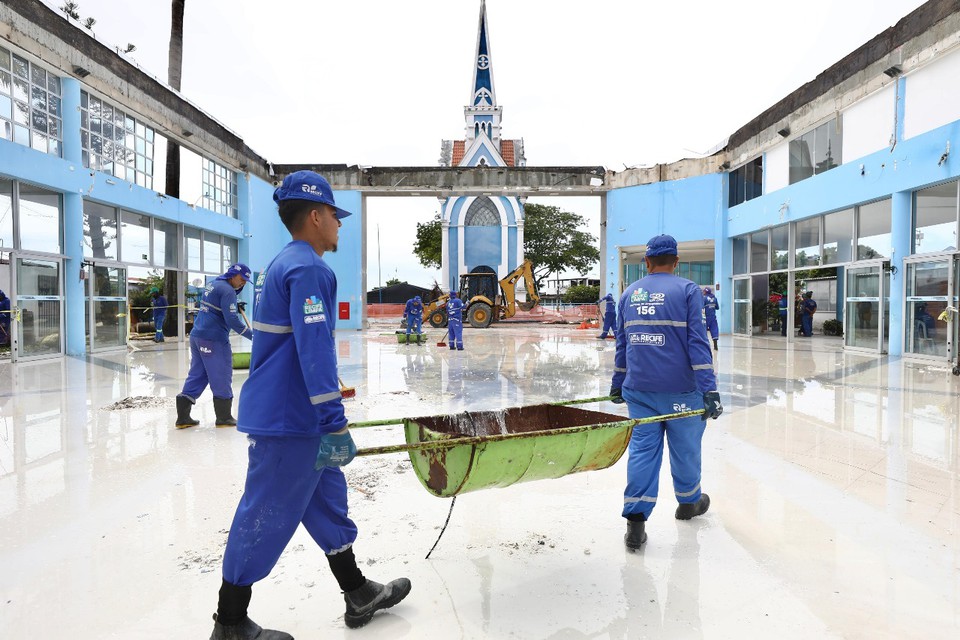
(482, 213)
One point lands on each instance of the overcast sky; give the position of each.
(376, 82)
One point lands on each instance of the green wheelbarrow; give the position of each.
(241, 359)
(413, 338)
(454, 454)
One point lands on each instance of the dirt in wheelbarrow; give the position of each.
(543, 417)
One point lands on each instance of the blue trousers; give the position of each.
(455, 329)
(783, 324)
(683, 437)
(609, 323)
(283, 490)
(713, 327)
(158, 318)
(806, 325)
(414, 321)
(210, 363)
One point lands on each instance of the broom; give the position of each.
(443, 340)
(346, 392)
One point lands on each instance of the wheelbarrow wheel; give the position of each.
(438, 319)
(480, 315)
(956, 371)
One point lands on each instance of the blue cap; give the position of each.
(453, 294)
(307, 185)
(416, 298)
(661, 246)
(238, 269)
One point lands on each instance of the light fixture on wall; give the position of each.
(893, 70)
(784, 131)
(80, 72)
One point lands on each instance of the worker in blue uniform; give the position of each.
(808, 307)
(413, 314)
(608, 309)
(211, 359)
(455, 321)
(158, 303)
(710, 308)
(4, 319)
(663, 365)
(292, 410)
(783, 304)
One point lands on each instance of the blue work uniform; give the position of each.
(809, 307)
(291, 399)
(608, 309)
(784, 303)
(663, 364)
(455, 323)
(211, 359)
(413, 312)
(159, 305)
(710, 308)
(5, 320)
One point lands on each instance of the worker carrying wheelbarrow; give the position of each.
(413, 314)
(292, 409)
(211, 359)
(663, 365)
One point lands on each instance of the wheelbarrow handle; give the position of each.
(449, 442)
(582, 401)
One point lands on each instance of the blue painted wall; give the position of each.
(481, 246)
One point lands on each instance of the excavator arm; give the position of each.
(509, 288)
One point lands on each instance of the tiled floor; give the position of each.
(835, 514)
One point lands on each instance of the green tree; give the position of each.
(392, 281)
(582, 294)
(553, 241)
(429, 245)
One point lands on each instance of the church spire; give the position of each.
(482, 113)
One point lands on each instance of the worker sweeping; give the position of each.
(158, 302)
(455, 321)
(413, 314)
(292, 409)
(710, 308)
(608, 309)
(211, 359)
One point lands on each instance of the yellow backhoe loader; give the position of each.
(485, 299)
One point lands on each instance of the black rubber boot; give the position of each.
(693, 509)
(635, 535)
(362, 603)
(184, 404)
(223, 407)
(715, 348)
(247, 629)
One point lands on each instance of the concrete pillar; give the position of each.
(900, 230)
(74, 293)
(722, 262)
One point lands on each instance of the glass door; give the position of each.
(928, 287)
(107, 317)
(865, 321)
(742, 323)
(38, 302)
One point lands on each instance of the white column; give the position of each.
(445, 252)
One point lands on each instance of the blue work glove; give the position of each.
(617, 395)
(336, 450)
(711, 405)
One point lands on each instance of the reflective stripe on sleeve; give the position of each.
(655, 323)
(324, 397)
(687, 494)
(640, 499)
(702, 366)
(619, 369)
(272, 328)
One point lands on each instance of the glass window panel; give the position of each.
(808, 243)
(935, 220)
(21, 67)
(107, 130)
(84, 99)
(141, 163)
(39, 219)
(873, 226)
(106, 112)
(801, 159)
(53, 105)
(758, 251)
(53, 146)
(53, 84)
(229, 252)
(21, 135)
(119, 119)
(99, 231)
(53, 127)
(779, 247)
(128, 140)
(740, 255)
(149, 134)
(6, 108)
(191, 240)
(21, 113)
(38, 76)
(39, 122)
(21, 90)
(838, 237)
(6, 213)
(211, 253)
(6, 129)
(4, 82)
(4, 59)
(164, 241)
(39, 142)
(38, 99)
(139, 129)
(96, 144)
(927, 298)
(134, 238)
(128, 123)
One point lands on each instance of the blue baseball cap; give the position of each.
(307, 185)
(663, 245)
(238, 269)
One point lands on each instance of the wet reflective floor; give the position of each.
(833, 477)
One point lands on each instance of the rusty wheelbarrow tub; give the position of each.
(454, 454)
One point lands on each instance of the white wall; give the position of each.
(868, 125)
(932, 96)
(776, 168)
